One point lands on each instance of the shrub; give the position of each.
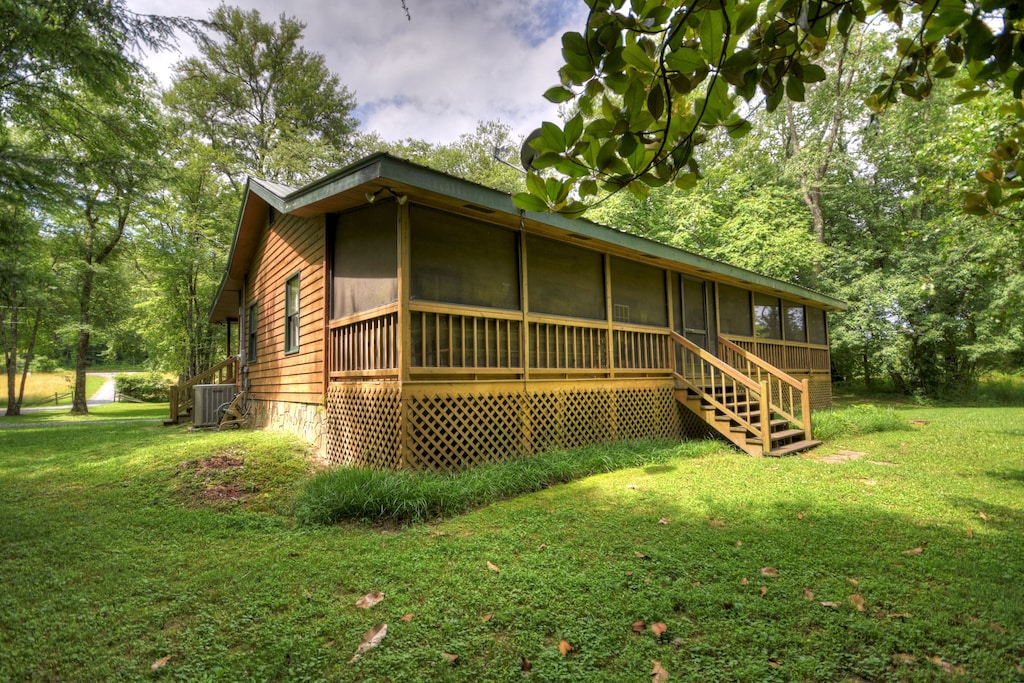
(353, 493)
(150, 387)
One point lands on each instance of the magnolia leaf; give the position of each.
(640, 555)
(948, 667)
(915, 551)
(658, 673)
(738, 543)
(970, 532)
(493, 567)
(488, 617)
(371, 639)
(857, 601)
(663, 520)
(764, 591)
(983, 516)
(525, 664)
(450, 657)
(159, 663)
(659, 628)
(808, 594)
(833, 605)
(744, 581)
(528, 202)
(799, 515)
(639, 626)
(774, 663)
(769, 571)
(408, 617)
(558, 94)
(542, 546)
(369, 600)
(852, 581)
(905, 658)
(901, 615)
(564, 647)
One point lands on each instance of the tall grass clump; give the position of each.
(859, 419)
(352, 493)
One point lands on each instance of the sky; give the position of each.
(456, 62)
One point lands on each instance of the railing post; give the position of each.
(174, 403)
(766, 418)
(805, 407)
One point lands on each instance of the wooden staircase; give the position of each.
(757, 407)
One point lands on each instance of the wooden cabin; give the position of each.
(398, 317)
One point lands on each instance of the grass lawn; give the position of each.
(124, 545)
(106, 412)
(40, 388)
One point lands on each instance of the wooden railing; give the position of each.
(641, 349)
(447, 337)
(786, 355)
(364, 345)
(790, 398)
(723, 386)
(225, 372)
(567, 346)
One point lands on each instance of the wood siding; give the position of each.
(292, 245)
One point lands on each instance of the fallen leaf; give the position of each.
(799, 515)
(632, 486)
(639, 626)
(919, 422)
(983, 516)
(997, 628)
(659, 628)
(857, 601)
(488, 617)
(369, 600)
(658, 673)
(970, 532)
(564, 647)
(773, 663)
(542, 546)
(744, 581)
(493, 567)
(663, 521)
(769, 571)
(853, 581)
(916, 551)
(717, 523)
(629, 573)
(947, 666)
(435, 534)
(159, 663)
(764, 591)
(408, 617)
(833, 605)
(371, 639)
(901, 615)
(727, 605)
(450, 657)
(524, 664)
(329, 643)
(738, 543)
(905, 658)
(640, 555)
(678, 642)
(808, 594)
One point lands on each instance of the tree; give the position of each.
(650, 81)
(269, 107)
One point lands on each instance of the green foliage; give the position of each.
(352, 493)
(858, 419)
(649, 82)
(270, 107)
(150, 387)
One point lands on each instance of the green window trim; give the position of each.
(291, 314)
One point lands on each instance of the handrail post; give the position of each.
(805, 407)
(766, 418)
(174, 403)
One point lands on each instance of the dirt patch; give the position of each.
(218, 461)
(231, 491)
(843, 456)
(214, 480)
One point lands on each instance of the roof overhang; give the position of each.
(349, 188)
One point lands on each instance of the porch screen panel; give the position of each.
(767, 317)
(461, 261)
(564, 279)
(695, 312)
(816, 330)
(638, 293)
(795, 322)
(734, 311)
(365, 260)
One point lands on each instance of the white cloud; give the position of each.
(455, 63)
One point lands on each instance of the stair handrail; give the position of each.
(225, 372)
(779, 377)
(760, 428)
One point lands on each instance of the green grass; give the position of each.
(118, 548)
(106, 412)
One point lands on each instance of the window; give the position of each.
(795, 322)
(767, 317)
(365, 260)
(817, 332)
(734, 309)
(250, 323)
(291, 314)
(565, 279)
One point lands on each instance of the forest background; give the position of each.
(118, 198)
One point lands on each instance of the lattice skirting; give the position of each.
(821, 392)
(384, 426)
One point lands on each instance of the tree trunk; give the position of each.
(80, 404)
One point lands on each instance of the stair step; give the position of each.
(786, 434)
(775, 425)
(794, 447)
